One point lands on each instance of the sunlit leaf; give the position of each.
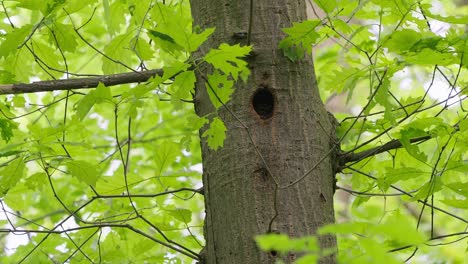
(449, 19)
(37, 181)
(101, 94)
(165, 155)
(184, 84)
(413, 149)
(6, 129)
(228, 59)
(457, 203)
(402, 40)
(215, 134)
(84, 171)
(11, 174)
(326, 5)
(428, 189)
(180, 214)
(219, 88)
(283, 244)
(12, 40)
(301, 37)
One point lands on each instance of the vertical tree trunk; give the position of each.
(291, 136)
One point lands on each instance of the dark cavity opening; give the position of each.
(263, 103)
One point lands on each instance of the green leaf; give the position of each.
(428, 189)
(143, 49)
(413, 149)
(326, 5)
(84, 105)
(460, 187)
(19, 101)
(6, 77)
(10, 153)
(184, 84)
(219, 88)
(228, 59)
(84, 171)
(308, 259)
(108, 16)
(174, 28)
(143, 246)
(448, 19)
(118, 49)
(402, 40)
(426, 123)
(372, 251)
(301, 37)
(432, 57)
(360, 200)
(283, 244)
(162, 36)
(73, 6)
(196, 39)
(383, 98)
(346, 77)
(400, 231)
(37, 181)
(196, 122)
(272, 242)
(394, 175)
(64, 37)
(457, 203)
(183, 215)
(6, 129)
(215, 134)
(101, 94)
(172, 69)
(11, 174)
(33, 5)
(165, 155)
(13, 39)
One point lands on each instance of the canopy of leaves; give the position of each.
(112, 175)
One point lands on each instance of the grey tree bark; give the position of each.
(278, 131)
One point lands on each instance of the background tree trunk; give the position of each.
(239, 191)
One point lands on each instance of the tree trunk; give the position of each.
(288, 125)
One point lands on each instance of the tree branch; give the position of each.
(394, 144)
(79, 83)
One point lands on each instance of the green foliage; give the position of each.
(6, 129)
(11, 174)
(215, 134)
(84, 171)
(173, 28)
(229, 66)
(100, 95)
(78, 156)
(300, 39)
(112, 174)
(228, 60)
(282, 244)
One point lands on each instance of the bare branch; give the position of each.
(394, 144)
(79, 83)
